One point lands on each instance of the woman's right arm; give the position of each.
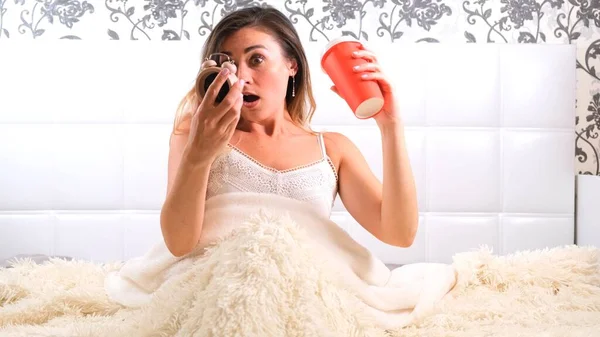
(183, 211)
(191, 155)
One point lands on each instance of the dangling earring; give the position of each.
(293, 86)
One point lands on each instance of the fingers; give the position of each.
(233, 97)
(216, 85)
(230, 121)
(234, 93)
(367, 67)
(372, 76)
(371, 70)
(230, 129)
(232, 115)
(365, 54)
(232, 104)
(334, 89)
(384, 82)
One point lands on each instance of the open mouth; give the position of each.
(250, 98)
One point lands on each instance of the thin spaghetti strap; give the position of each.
(322, 144)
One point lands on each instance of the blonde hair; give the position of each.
(300, 106)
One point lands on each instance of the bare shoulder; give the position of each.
(180, 132)
(338, 140)
(339, 148)
(339, 144)
(182, 123)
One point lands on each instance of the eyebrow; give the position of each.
(248, 49)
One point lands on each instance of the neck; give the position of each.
(274, 125)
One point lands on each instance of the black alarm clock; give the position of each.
(210, 69)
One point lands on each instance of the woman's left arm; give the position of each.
(399, 209)
(388, 210)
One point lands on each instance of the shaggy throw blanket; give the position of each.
(261, 271)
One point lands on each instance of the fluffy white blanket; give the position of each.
(394, 298)
(269, 266)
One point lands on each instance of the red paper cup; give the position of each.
(364, 97)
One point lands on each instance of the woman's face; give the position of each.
(261, 63)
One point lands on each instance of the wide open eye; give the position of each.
(257, 59)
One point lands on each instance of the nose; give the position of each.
(242, 72)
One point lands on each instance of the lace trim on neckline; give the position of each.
(292, 169)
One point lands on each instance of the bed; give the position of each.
(489, 130)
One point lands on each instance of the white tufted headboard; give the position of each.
(84, 132)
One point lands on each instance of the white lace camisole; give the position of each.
(315, 183)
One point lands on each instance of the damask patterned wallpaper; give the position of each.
(396, 21)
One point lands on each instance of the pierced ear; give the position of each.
(293, 67)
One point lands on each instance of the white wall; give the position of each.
(84, 138)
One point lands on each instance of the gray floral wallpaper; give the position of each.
(413, 21)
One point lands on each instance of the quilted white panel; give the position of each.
(145, 158)
(587, 212)
(448, 234)
(545, 184)
(84, 144)
(463, 90)
(26, 169)
(90, 235)
(537, 90)
(26, 233)
(521, 232)
(463, 166)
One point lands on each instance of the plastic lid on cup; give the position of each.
(345, 38)
(330, 44)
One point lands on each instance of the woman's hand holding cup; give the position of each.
(358, 79)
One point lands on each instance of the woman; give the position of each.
(259, 139)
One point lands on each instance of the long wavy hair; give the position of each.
(301, 106)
